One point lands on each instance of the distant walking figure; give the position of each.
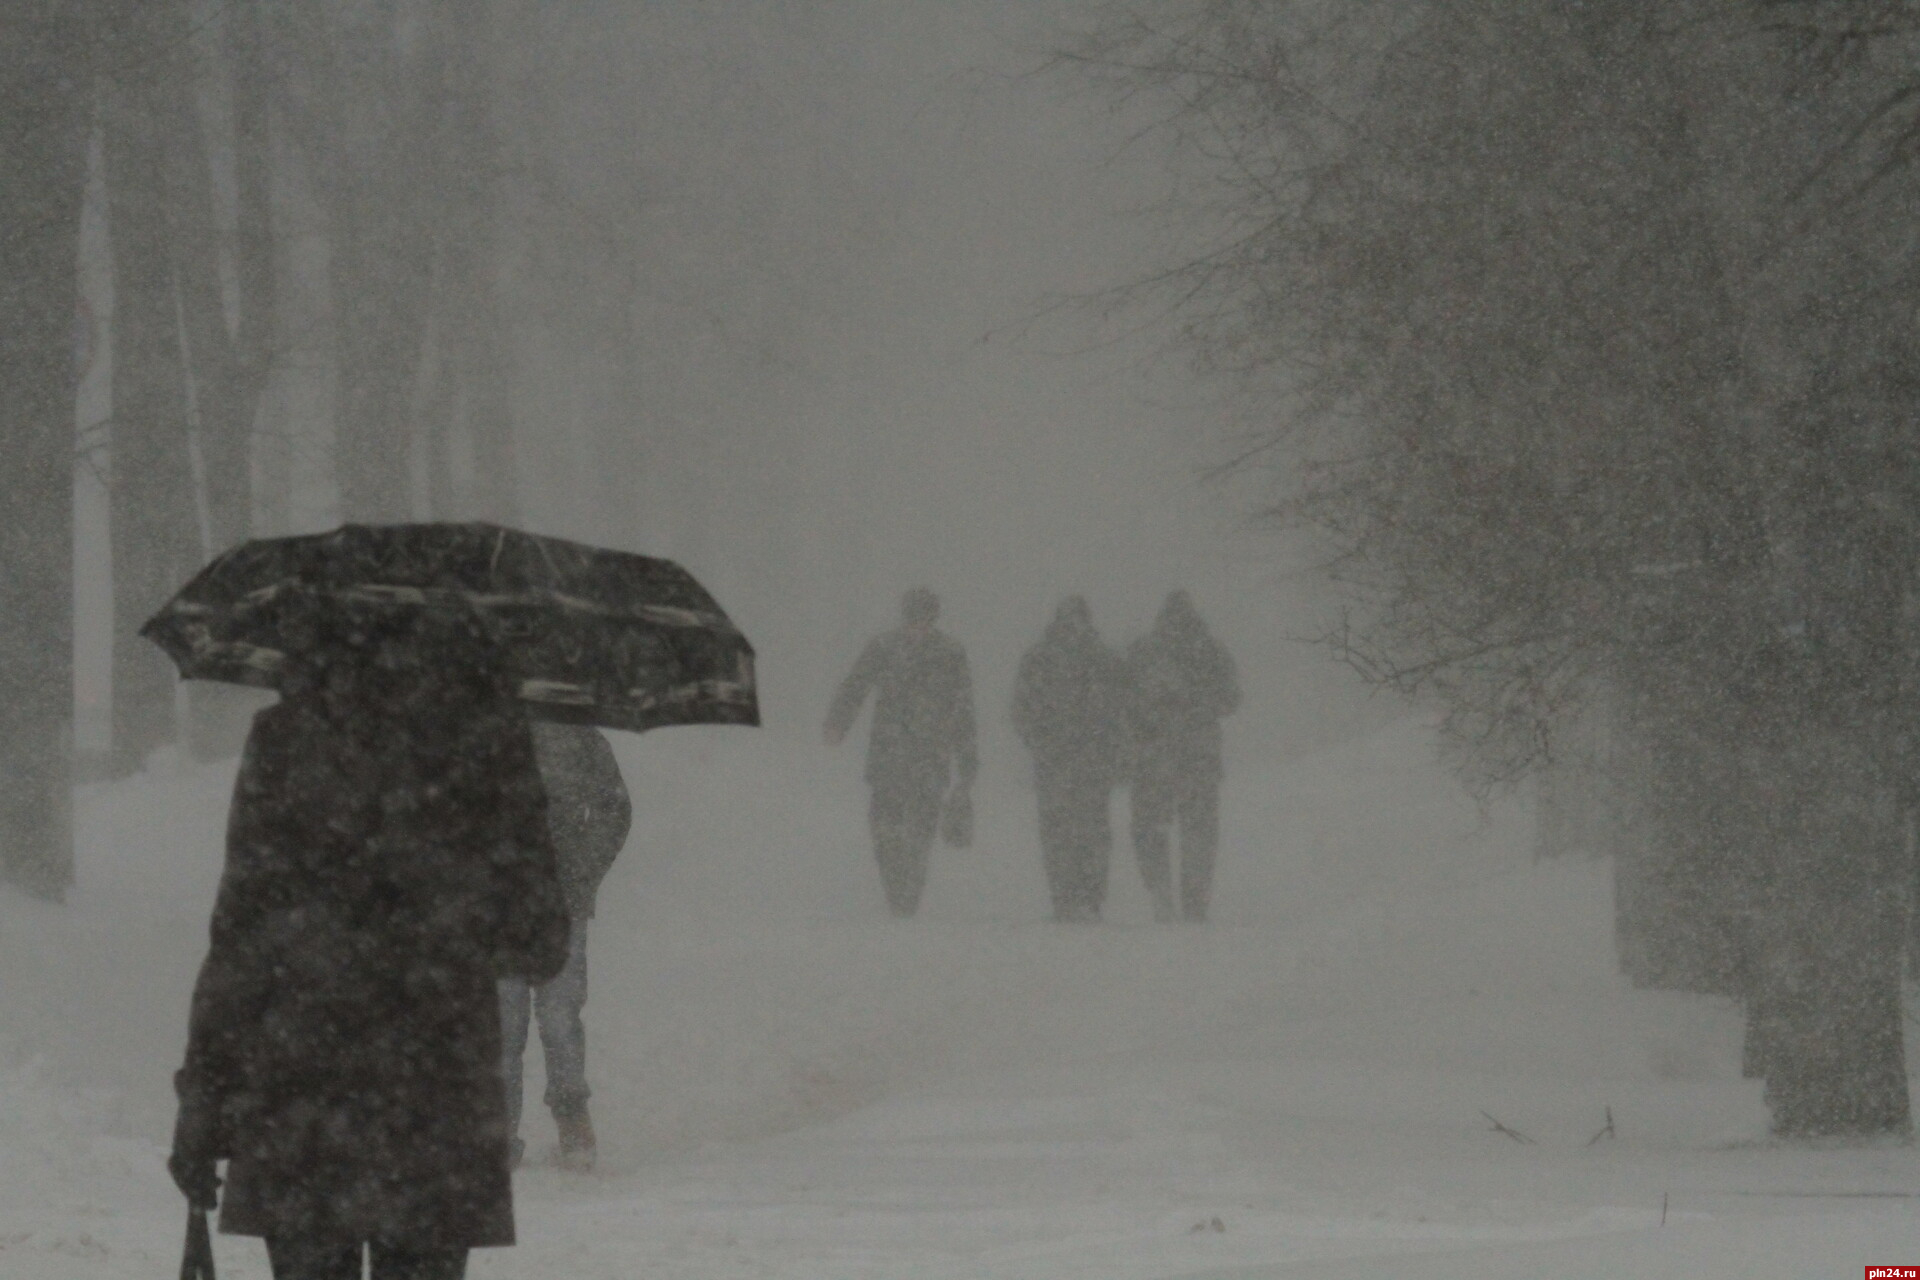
(589, 813)
(1067, 705)
(1181, 682)
(922, 726)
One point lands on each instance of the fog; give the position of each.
(829, 301)
(815, 304)
(872, 355)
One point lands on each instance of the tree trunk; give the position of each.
(230, 359)
(380, 287)
(253, 255)
(437, 404)
(470, 185)
(226, 384)
(1826, 1027)
(297, 338)
(365, 124)
(490, 411)
(1825, 1014)
(155, 528)
(45, 88)
(622, 451)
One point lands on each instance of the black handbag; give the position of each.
(196, 1260)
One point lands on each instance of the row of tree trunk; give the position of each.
(46, 51)
(204, 129)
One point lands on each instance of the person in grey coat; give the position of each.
(590, 814)
(1067, 703)
(1181, 681)
(923, 729)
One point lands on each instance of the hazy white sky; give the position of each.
(857, 218)
(792, 294)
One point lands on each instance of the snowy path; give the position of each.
(789, 1086)
(1125, 1175)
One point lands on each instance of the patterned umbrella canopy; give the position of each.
(593, 636)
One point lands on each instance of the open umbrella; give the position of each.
(593, 636)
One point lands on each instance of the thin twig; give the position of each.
(1515, 1134)
(1607, 1132)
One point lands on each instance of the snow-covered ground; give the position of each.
(791, 1084)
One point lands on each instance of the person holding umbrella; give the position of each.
(390, 860)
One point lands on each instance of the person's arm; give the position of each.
(966, 738)
(609, 816)
(233, 987)
(1026, 697)
(853, 690)
(1226, 682)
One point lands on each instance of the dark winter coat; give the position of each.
(588, 809)
(1181, 681)
(1069, 699)
(922, 714)
(383, 870)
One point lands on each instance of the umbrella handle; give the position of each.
(196, 1259)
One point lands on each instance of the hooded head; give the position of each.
(919, 609)
(1178, 613)
(1072, 619)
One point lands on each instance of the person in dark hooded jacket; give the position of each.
(923, 728)
(589, 813)
(388, 860)
(1067, 704)
(1181, 681)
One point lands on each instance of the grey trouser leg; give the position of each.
(1075, 837)
(556, 1007)
(1152, 802)
(1199, 840)
(563, 1035)
(903, 815)
(1195, 801)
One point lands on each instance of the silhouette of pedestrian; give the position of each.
(1067, 705)
(923, 729)
(388, 860)
(1181, 681)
